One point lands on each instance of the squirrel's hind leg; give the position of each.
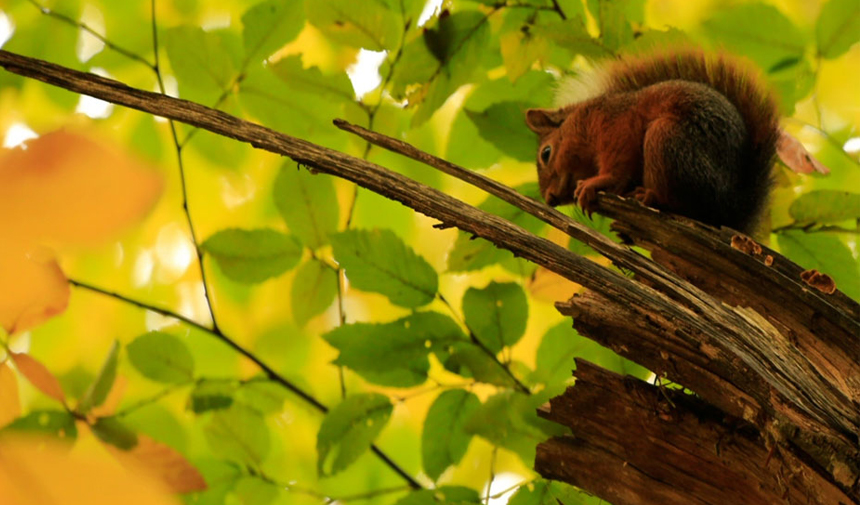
(655, 188)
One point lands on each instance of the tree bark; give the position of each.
(773, 360)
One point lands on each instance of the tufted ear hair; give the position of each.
(541, 121)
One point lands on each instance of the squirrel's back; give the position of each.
(741, 87)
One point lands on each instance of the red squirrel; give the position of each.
(686, 132)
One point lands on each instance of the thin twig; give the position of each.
(473, 339)
(815, 228)
(492, 473)
(270, 373)
(83, 26)
(154, 398)
(183, 184)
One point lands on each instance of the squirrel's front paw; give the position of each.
(585, 195)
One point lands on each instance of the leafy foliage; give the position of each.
(251, 256)
(437, 372)
(348, 430)
(161, 357)
(379, 261)
(444, 440)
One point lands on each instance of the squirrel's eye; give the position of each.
(544, 154)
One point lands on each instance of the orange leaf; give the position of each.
(61, 189)
(34, 287)
(39, 376)
(163, 462)
(36, 471)
(10, 403)
(796, 157)
(68, 189)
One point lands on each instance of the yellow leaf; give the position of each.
(39, 376)
(39, 471)
(162, 462)
(10, 403)
(61, 189)
(34, 287)
(68, 189)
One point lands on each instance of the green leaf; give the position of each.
(444, 440)
(252, 256)
(467, 360)
(269, 25)
(289, 109)
(307, 203)
(509, 419)
(459, 44)
(111, 431)
(650, 41)
(520, 46)
(497, 314)
(616, 22)
(554, 362)
(57, 423)
(417, 65)
(368, 24)
(825, 253)
(380, 262)
(573, 36)
(471, 254)
(838, 27)
(262, 395)
(161, 357)
(311, 80)
(396, 353)
(825, 206)
(349, 429)
(200, 61)
(211, 395)
(544, 492)
(502, 124)
(598, 223)
(255, 491)
(313, 290)
(760, 32)
(102, 384)
(444, 495)
(239, 434)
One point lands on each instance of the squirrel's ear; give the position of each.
(542, 120)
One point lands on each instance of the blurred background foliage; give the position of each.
(437, 347)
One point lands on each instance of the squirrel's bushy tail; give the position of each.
(741, 87)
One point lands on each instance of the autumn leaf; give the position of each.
(10, 403)
(39, 376)
(67, 189)
(34, 287)
(163, 462)
(61, 189)
(35, 471)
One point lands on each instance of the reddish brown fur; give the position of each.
(685, 132)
